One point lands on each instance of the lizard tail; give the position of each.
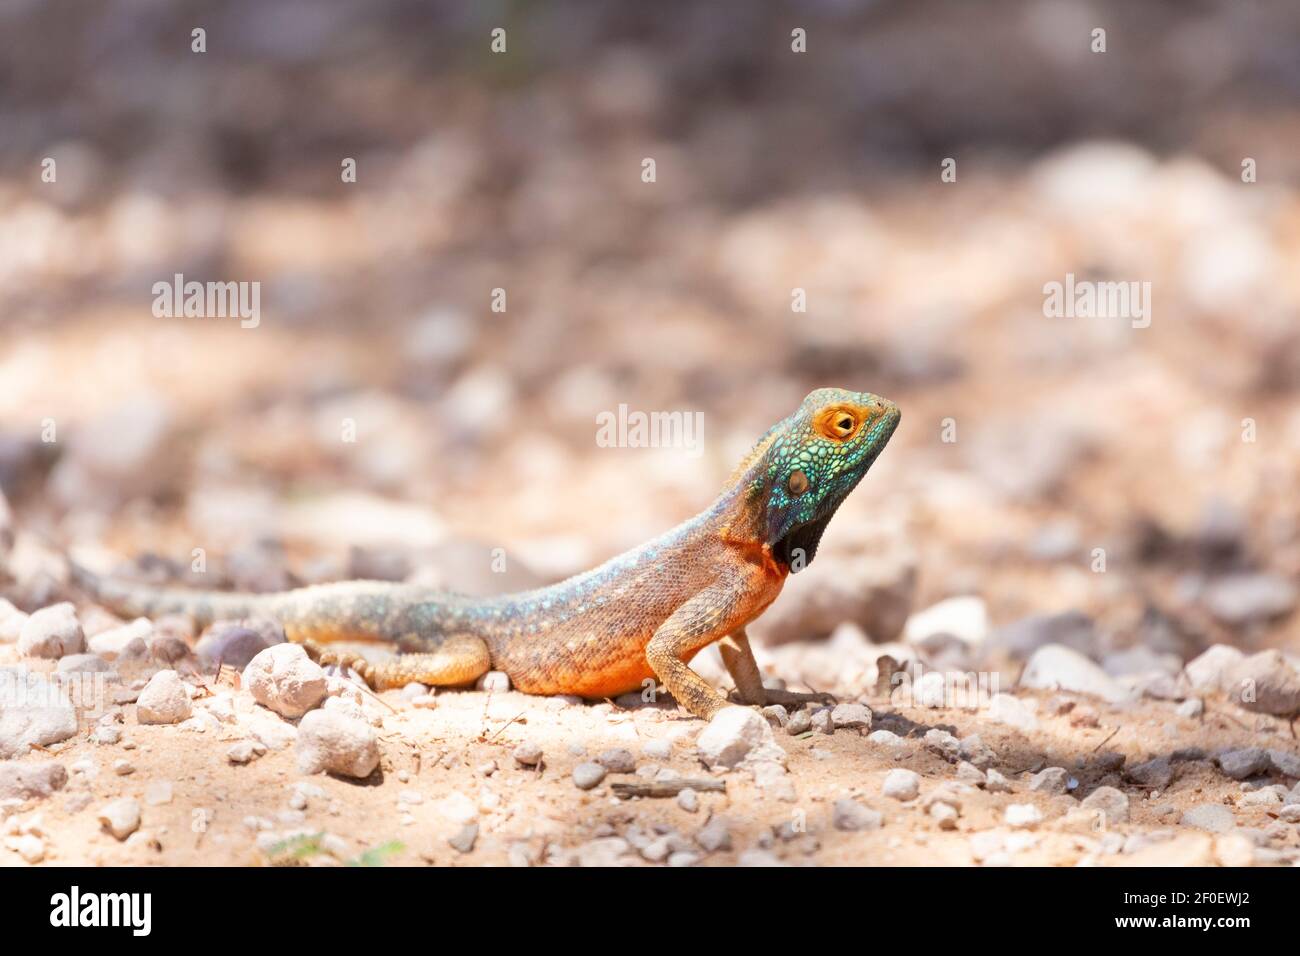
(344, 610)
(141, 600)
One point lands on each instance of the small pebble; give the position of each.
(587, 775)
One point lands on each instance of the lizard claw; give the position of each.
(789, 697)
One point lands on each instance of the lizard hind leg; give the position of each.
(457, 659)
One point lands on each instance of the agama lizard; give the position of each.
(642, 615)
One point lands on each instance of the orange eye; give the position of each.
(838, 423)
(798, 483)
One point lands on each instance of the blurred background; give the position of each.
(1099, 484)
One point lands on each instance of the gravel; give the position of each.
(284, 679)
(1155, 774)
(52, 632)
(1243, 763)
(330, 740)
(587, 775)
(849, 814)
(121, 817)
(901, 784)
(164, 700)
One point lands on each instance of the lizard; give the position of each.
(640, 616)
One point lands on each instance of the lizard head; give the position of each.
(812, 460)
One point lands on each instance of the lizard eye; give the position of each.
(843, 425)
(798, 483)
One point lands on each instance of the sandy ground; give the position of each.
(438, 761)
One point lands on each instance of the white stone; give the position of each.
(734, 734)
(164, 700)
(901, 784)
(284, 679)
(1057, 667)
(121, 817)
(52, 632)
(965, 618)
(334, 742)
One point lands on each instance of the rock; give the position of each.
(33, 710)
(528, 754)
(852, 716)
(1111, 803)
(164, 700)
(873, 591)
(1024, 638)
(657, 749)
(1191, 708)
(944, 814)
(1211, 670)
(995, 782)
(619, 760)
(976, 752)
(965, 618)
(734, 734)
(776, 715)
(1265, 683)
(496, 681)
(284, 679)
(970, 774)
(884, 738)
(121, 817)
(236, 643)
(1140, 661)
(242, 751)
(329, 740)
(83, 664)
(1214, 817)
(1239, 599)
(1022, 816)
(1243, 763)
(1012, 711)
(1056, 667)
(848, 814)
(822, 722)
(31, 848)
(715, 835)
(800, 723)
(1084, 716)
(462, 841)
(1050, 780)
(1155, 774)
(942, 743)
(52, 632)
(587, 775)
(30, 781)
(126, 640)
(901, 784)
(1285, 763)
(688, 800)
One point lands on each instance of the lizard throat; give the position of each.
(800, 542)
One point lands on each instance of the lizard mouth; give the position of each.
(800, 542)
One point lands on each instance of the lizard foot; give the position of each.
(326, 657)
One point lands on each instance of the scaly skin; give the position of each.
(640, 616)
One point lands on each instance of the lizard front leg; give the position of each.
(702, 620)
(739, 660)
